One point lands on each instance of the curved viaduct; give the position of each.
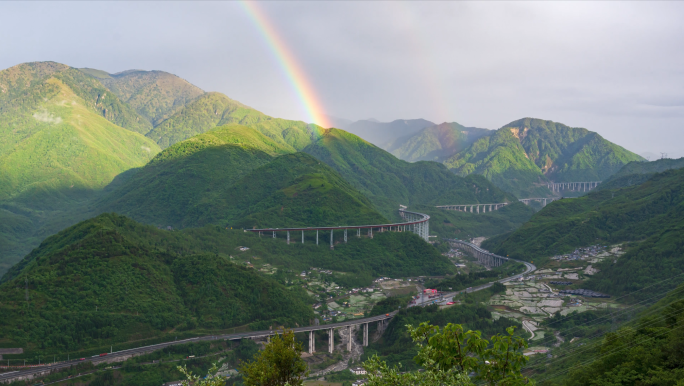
(418, 223)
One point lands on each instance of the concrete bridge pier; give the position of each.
(358, 232)
(317, 237)
(349, 335)
(302, 237)
(345, 235)
(288, 237)
(331, 240)
(274, 234)
(312, 342)
(331, 340)
(365, 335)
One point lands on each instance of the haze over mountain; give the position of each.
(381, 134)
(435, 143)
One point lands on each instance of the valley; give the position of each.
(141, 216)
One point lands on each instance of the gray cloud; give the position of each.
(612, 67)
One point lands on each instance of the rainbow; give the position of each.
(289, 65)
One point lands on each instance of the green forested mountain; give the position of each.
(648, 217)
(153, 94)
(389, 182)
(229, 176)
(636, 172)
(646, 351)
(110, 280)
(435, 143)
(215, 109)
(524, 154)
(63, 138)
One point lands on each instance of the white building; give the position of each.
(358, 370)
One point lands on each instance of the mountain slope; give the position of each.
(229, 176)
(215, 109)
(530, 151)
(636, 172)
(435, 143)
(141, 289)
(153, 94)
(381, 134)
(648, 216)
(59, 147)
(388, 181)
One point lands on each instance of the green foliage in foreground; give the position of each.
(649, 217)
(280, 363)
(449, 355)
(648, 351)
(396, 346)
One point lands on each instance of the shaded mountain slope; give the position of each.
(389, 181)
(153, 94)
(229, 176)
(435, 143)
(522, 155)
(140, 288)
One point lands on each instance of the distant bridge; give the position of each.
(574, 186)
(475, 208)
(418, 223)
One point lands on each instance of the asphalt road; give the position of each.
(7, 377)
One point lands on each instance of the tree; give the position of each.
(280, 363)
(449, 355)
(210, 380)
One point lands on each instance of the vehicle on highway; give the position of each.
(188, 357)
(82, 359)
(386, 314)
(450, 303)
(103, 354)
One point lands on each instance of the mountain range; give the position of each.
(80, 142)
(520, 157)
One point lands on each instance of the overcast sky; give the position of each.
(613, 67)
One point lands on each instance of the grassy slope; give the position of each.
(215, 109)
(153, 94)
(140, 289)
(228, 176)
(389, 181)
(146, 281)
(57, 151)
(528, 151)
(647, 215)
(435, 143)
